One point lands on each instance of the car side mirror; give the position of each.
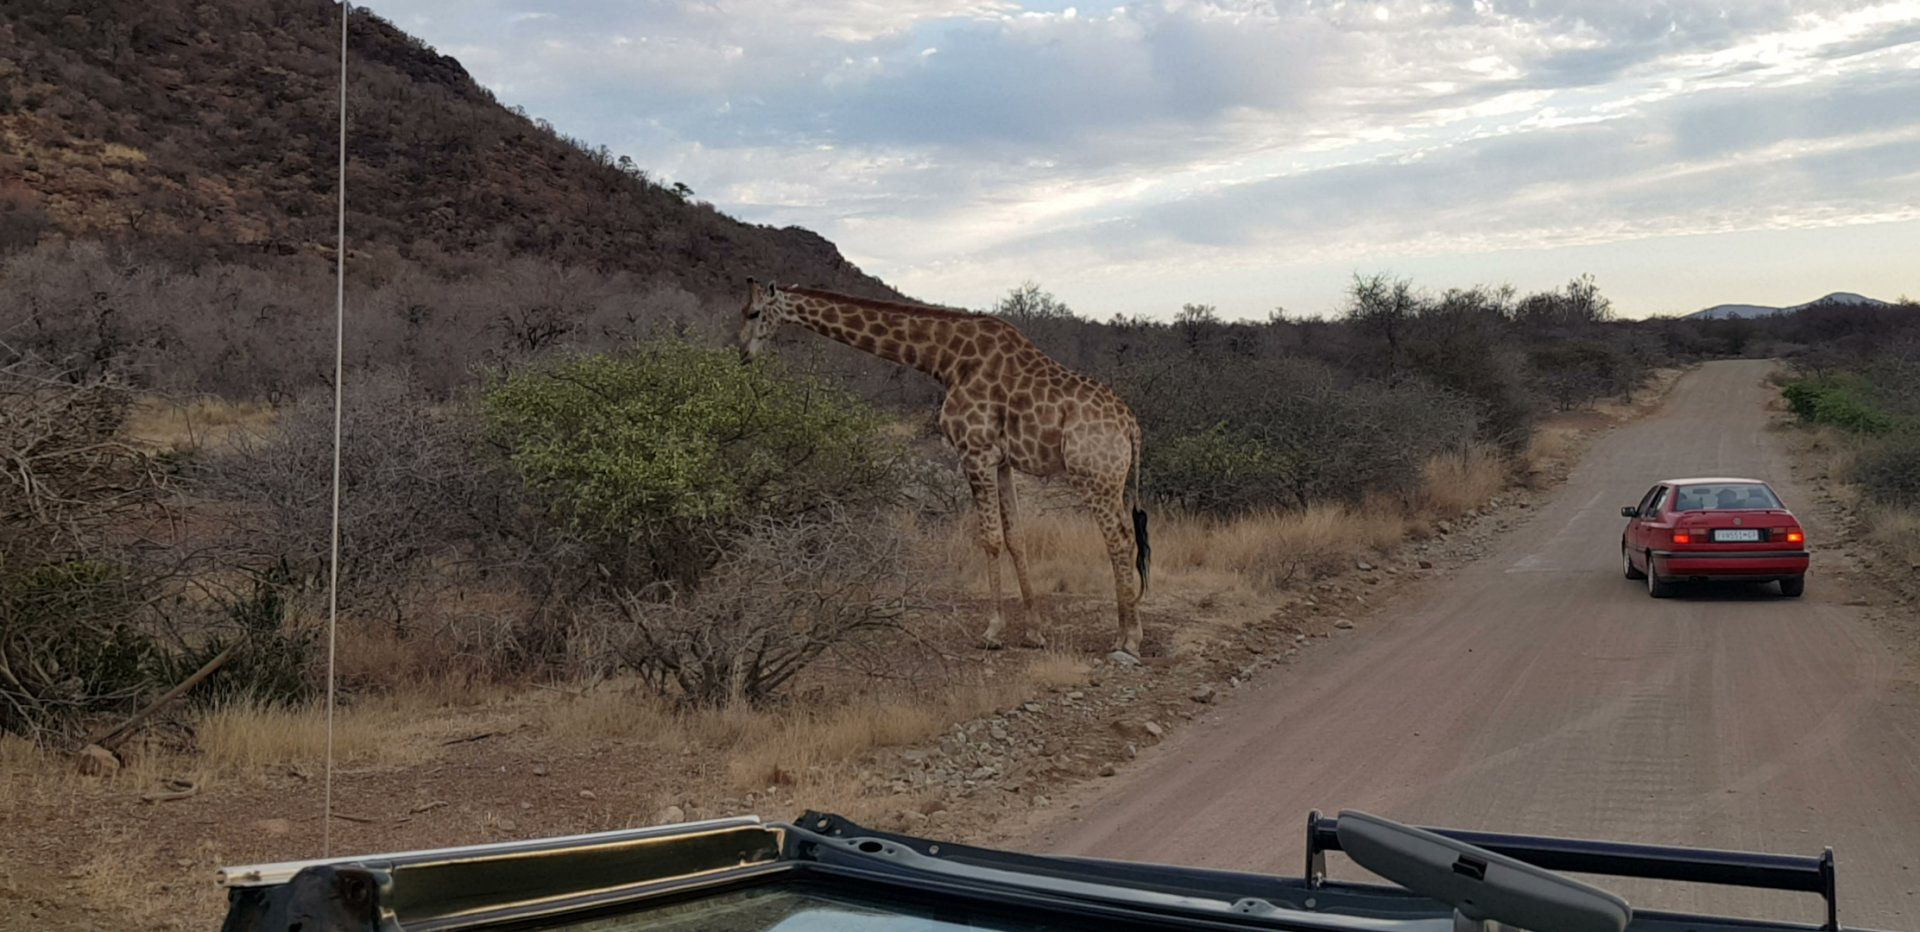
(1630, 512)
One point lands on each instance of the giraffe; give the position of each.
(1008, 407)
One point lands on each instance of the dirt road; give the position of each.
(1539, 691)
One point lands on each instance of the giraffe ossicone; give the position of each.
(1009, 407)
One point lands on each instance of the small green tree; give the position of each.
(655, 459)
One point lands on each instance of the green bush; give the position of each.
(68, 648)
(1219, 470)
(654, 459)
(1290, 434)
(271, 662)
(1839, 401)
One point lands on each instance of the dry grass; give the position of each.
(1252, 553)
(1897, 531)
(115, 152)
(172, 425)
(1453, 484)
(386, 732)
(807, 749)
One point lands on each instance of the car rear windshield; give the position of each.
(1724, 496)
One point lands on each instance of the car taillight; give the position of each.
(1796, 537)
(1682, 537)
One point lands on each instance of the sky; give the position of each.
(1134, 157)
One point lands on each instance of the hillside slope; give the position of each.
(206, 130)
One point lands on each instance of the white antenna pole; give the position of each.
(339, 353)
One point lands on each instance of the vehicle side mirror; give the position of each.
(1630, 511)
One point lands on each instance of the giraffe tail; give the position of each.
(1142, 551)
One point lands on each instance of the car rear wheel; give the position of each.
(1792, 586)
(1626, 564)
(1656, 587)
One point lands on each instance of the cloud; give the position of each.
(946, 143)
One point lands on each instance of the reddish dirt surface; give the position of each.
(1536, 690)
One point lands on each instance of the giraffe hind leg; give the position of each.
(1031, 635)
(1105, 499)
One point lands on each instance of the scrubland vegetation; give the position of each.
(1854, 385)
(559, 475)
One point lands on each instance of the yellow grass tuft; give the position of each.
(244, 738)
(1453, 484)
(1895, 530)
(172, 425)
(115, 152)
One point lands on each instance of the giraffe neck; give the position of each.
(927, 342)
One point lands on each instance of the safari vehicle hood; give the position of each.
(825, 872)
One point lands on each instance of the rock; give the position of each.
(1299, 638)
(1153, 730)
(1362, 566)
(1856, 602)
(1123, 658)
(1076, 696)
(588, 794)
(505, 825)
(272, 827)
(1343, 624)
(1032, 707)
(96, 761)
(1132, 752)
(1444, 527)
(997, 733)
(1233, 682)
(1202, 694)
(539, 770)
(912, 817)
(1107, 770)
(1426, 564)
(672, 815)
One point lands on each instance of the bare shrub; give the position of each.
(786, 593)
(76, 636)
(414, 489)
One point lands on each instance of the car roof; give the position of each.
(1710, 480)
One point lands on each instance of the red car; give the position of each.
(1713, 530)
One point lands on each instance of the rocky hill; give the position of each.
(198, 130)
(1836, 299)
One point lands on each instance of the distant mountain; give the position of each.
(1836, 299)
(200, 130)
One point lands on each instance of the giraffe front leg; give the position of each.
(986, 513)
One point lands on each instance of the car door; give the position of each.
(1636, 528)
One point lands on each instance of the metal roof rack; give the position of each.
(1617, 859)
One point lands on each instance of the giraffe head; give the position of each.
(767, 308)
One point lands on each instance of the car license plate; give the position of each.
(1737, 534)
